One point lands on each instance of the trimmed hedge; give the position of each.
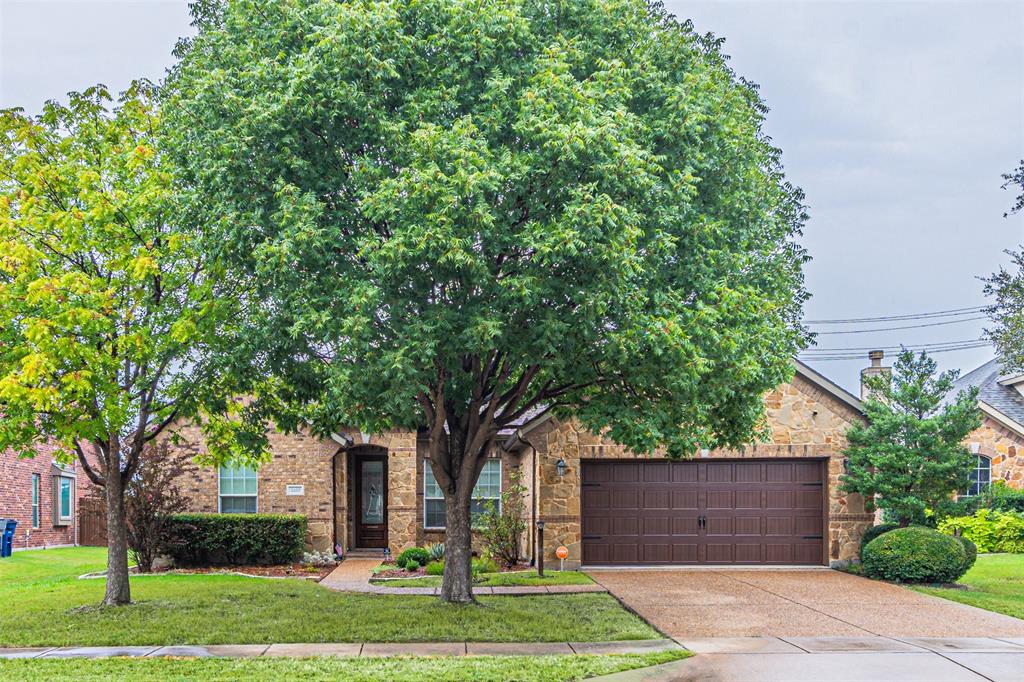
(991, 531)
(915, 555)
(417, 554)
(874, 531)
(237, 539)
(971, 550)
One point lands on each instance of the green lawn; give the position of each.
(516, 579)
(996, 583)
(439, 669)
(45, 605)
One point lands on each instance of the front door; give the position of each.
(371, 481)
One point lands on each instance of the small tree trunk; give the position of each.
(457, 584)
(118, 590)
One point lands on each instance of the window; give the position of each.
(237, 490)
(63, 496)
(488, 487)
(35, 500)
(981, 475)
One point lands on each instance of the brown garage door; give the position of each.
(703, 512)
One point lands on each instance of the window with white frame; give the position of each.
(35, 500)
(63, 499)
(237, 489)
(981, 475)
(487, 488)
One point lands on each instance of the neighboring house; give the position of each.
(999, 442)
(41, 496)
(770, 503)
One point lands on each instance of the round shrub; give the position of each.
(915, 555)
(412, 565)
(874, 531)
(417, 554)
(971, 550)
(435, 568)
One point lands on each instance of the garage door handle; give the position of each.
(813, 537)
(592, 537)
(590, 485)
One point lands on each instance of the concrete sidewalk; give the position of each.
(365, 649)
(353, 575)
(840, 659)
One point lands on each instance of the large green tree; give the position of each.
(110, 317)
(910, 455)
(460, 211)
(1006, 286)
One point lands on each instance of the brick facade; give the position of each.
(16, 499)
(1004, 447)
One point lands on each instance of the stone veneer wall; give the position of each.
(1006, 449)
(804, 422)
(295, 459)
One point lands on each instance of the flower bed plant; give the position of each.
(991, 531)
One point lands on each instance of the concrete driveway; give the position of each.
(687, 604)
(812, 625)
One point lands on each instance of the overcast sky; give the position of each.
(896, 118)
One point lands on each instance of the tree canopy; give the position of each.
(910, 455)
(111, 318)
(455, 212)
(1007, 287)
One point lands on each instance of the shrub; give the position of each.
(436, 551)
(412, 565)
(237, 539)
(874, 531)
(417, 554)
(971, 550)
(915, 555)
(990, 530)
(435, 568)
(501, 529)
(1001, 497)
(484, 565)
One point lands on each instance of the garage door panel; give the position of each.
(682, 525)
(625, 498)
(657, 499)
(720, 472)
(625, 525)
(748, 525)
(596, 525)
(720, 499)
(694, 512)
(685, 499)
(596, 498)
(684, 472)
(657, 472)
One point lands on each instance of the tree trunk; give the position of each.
(457, 584)
(118, 590)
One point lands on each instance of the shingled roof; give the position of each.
(1002, 397)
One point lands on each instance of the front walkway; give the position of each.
(690, 605)
(367, 649)
(840, 659)
(353, 575)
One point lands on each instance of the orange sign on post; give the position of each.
(562, 553)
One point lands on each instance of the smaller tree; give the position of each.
(910, 455)
(151, 497)
(501, 529)
(1007, 287)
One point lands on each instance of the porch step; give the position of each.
(365, 554)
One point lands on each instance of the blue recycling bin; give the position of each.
(7, 543)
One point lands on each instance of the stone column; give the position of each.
(401, 490)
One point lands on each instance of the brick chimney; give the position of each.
(875, 369)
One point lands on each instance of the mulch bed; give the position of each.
(397, 572)
(306, 571)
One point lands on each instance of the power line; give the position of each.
(909, 326)
(908, 346)
(910, 316)
(860, 356)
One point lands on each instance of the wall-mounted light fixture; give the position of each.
(846, 465)
(560, 467)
